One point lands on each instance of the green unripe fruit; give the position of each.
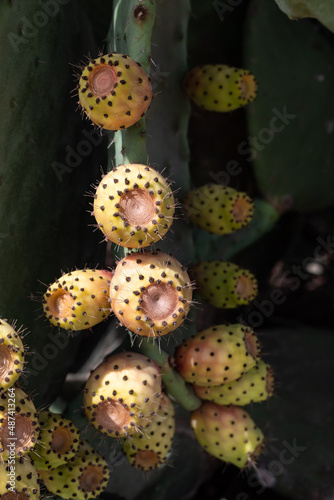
(19, 480)
(134, 206)
(123, 394)
(218, 209)
(148, 450)
(217, 355)
(219, 87)
(58, 441)
(257, 384)
(11, 356)
(227, 433)
(224, 284)
(79, 299)
(114, 91)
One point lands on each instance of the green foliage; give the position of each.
(323, 10)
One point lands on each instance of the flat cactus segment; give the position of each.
(134, 206)
(227, 433)
(11, 356)
(19, 480)
(58, 441)
(79, 299)
(151, 293)
(224, 284)
(148, 450)
(85, 476)
(217, 355)
(218, 209)
(123, 394)
(19, 424)
(318, 9)
(114, 91)
(217, 87)
(256, 385)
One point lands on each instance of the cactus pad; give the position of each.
(57, 443)
(11, 356)
(217, 355)
(257, 384)
(19, 480)
(218, 209)
(85, 476)
(19, 425)
(224, 284)
(151, 293)
(220, 87)
(228, 433)
(79, 299)
(114, 91)
(123, 394)
(134, 206)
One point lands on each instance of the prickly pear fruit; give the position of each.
(148, 450)
(228, 433)
(257, 384)
(19, 480)
(11, 356)
(114, 91)
(134, 206)
(19, 426)
(85, 476)
(150, 293)
(217, 87)
(218, 209)
(224, 284)
(123, 394)
(217, 355)
(79, 299)
(57, 443)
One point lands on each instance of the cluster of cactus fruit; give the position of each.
(151, 294)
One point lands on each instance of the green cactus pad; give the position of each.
(257, 384)
(19, 480)
(218, 209)
(217, 87)
(79, 299)
(19, 425)
(85, 476)
(114, 91)
(217, 355)
(123, 394)
(134, 206)
(58, 441)
(227, 433)
(151, 293)
(224, 284)
(148, 450)
(11, 356)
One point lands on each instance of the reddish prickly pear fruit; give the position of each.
(148, 450)
(58, 441)
(19, 480)
(217, 87)
(114, 91)
(19, 425)
(85, 476)
(224, 284)
(217, 355)
(79, 299)
(134, 206)
(123, 394)
(257, 384)
(228, 433)
(11, 356)
(151, 293)
(218, 209)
